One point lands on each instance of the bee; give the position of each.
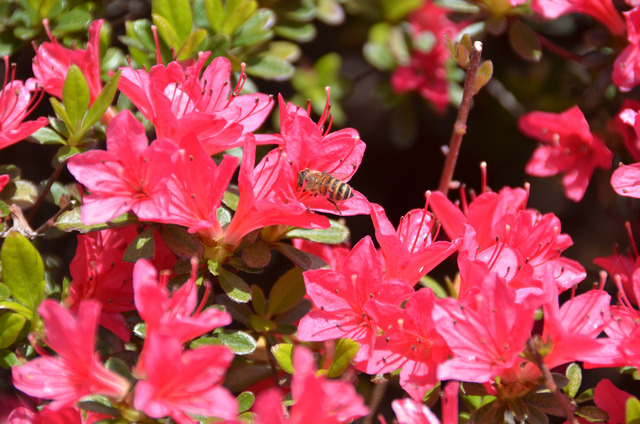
(324, 184)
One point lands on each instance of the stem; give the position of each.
(460, 126)
(272, 363)
(45, 191)
(558, 50)
(548, 378)
(376, 398)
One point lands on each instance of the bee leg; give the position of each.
(336, 206)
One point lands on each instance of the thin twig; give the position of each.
(272, 363)
(45, 191)
(377, 396)
(460, 126)
(559, 50)
(548, 378)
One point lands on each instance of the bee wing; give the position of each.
(356, 205)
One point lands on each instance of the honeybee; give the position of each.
(324, 184)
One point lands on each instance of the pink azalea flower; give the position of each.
(626, 68)
(621, 266)
(317, 400)
(409, 411)
(574, 327)
(71, 415)
(180, 383)
(266, 198)
(611, 400)
(76, 371)
(514, 242)
(486, 329)
(182, 101)
(600, 10)
(426, 72)
(176, 314)
(339, 299)
(568, 147)
(129, 176)
(98, 272)
(409, 252)
(4, 180)
(196, 188)
(307, 145)
(52, 61)
(410, 342)
(625, 122)
(16, 102)
(626, 180)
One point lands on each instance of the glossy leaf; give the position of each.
(591, 413)
(632, 411)
(525, 41)
(143, 246)
(287, 291)
(192, 44)
(485, 71)
(344, 353)
(181, 242)
(102, 102)
(239, 342)
(256, 255)
(335, 234)
(574, 374)
(177, 14)
(10, 327)
(283, 353)
(22, 270)
(258, 300)
(75, 96)
(70, 221)
(245, 401)
(234, 286)
(236, 12)
(257, 29)
(304, 260)
(269, 67)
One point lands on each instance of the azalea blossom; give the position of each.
(317, 399)
(266, 198)
(340, 297)
(16, 102)
(409, 341)
(625, 123)
(409, 252)
(129, 176)
(600, 10)
(306, 145)
(178, 383)
(76, 371)
(52, 62)
(486, 328)
(568, 147)
(626, 68)
(4, 180)
(626, 180)
(516, 243)
(180, 101)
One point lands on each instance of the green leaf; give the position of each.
(258, 301)
(47, 135)
(269, 67)
(245, 401)
(296, 31)
(230, 199)
(239, 342)
(574, 374)
(74, 20)
(330, 12)
(177, 15)
(283, 353)
(632, 411)
(485, 71)
(287, 291)
(395, 10)
(166, 31)
(102, 102)
(61, 113)
(256, 30)
(42, 7)
(120, 367)
(75, 97)
(22, 270)
(18, 308)
(10, 326)
(214, 12)
(236, 12)
(184, 244)
(4, 292)
(304, 260)
(25, 193)
(70, 221)
(345, 351)
(285, 50)
(261, 325)
(234, 286)
(142, 246)
(8, 359)
(335, 234)
(192, 44)
(100, 405)
(525, 41)
(591, 413)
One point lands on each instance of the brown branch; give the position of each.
(460, 126)
(45, 191)
(548, 378)
(377, 396)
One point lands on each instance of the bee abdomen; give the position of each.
(342, 191)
